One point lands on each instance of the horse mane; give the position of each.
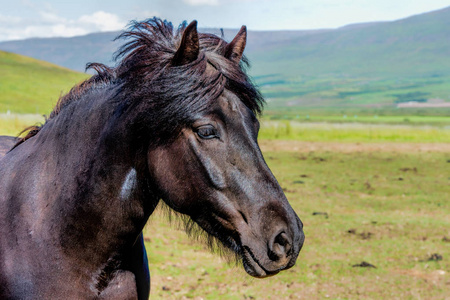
(144, 70)
(104, 76)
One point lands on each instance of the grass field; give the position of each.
(31, 86)
(12, 124)
(386, 206)
(353, 132)
(369, 193)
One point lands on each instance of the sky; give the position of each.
(20, 19)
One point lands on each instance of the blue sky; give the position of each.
(21, 19)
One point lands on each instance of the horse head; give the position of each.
(214, 172)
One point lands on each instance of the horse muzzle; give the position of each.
(266, 257)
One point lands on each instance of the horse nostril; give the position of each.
(281, 247)
(283, 240)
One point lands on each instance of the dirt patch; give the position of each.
(434, 277)
(305, 147)
(365, 235)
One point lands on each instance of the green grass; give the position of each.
(393, 203)
(352, 132)
(418, 117)
(12, 124)
(31, 86)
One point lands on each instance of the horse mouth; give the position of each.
(252, 266)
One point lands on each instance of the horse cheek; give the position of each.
(170, 180)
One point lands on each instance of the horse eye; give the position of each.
(206, 132)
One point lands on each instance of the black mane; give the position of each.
(145, 72)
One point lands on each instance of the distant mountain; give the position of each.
(74, 53)
(28, 85)
(359, 64)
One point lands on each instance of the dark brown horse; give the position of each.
(174, 120)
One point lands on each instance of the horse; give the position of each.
(175, 120)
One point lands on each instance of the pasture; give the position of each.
(366, 193)
(385, 204)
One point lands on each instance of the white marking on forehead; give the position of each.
(128, 185)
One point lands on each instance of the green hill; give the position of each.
(415, 45)
(358, 69)
(370, 67)
(28, 85)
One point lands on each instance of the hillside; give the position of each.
(371, 66)
(365, 66)
(28, 85)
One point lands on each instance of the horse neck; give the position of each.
(104, 187)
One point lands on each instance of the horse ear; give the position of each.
(189, 48)
(235, 49)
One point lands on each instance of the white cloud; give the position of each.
(49, 24)
(201, 2)
(45, 30)
(102, 21)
